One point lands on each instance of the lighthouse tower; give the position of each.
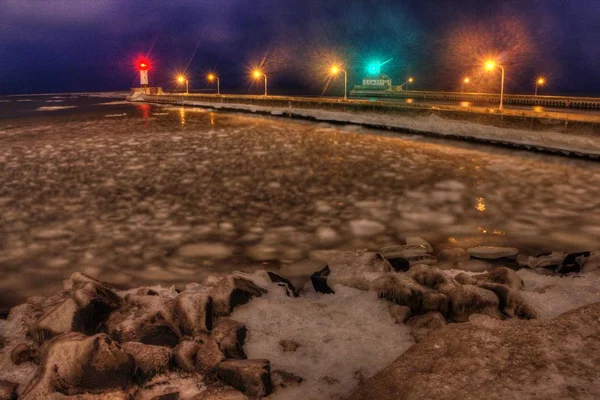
(143, 66)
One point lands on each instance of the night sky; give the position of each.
(91, 45)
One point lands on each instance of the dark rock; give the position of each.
(319, 281)
(149, 360)
(2, 342)
(8, 390)
(194, 313)
(573, 262)
(75, 364)
(400, 313)
(290, 290)
(231, 292)
(288, 345)
(184, 355)
(166, 396)
(230, 335)
(21, 353)
(399, 264)
(209, 355)
(145, 319)
(512, 303)
(422, 325)
(283, 379)
(252, 377)
(430, 277)
(118, 395)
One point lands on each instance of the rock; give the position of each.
(516, 360)
(492, 252)
(8, 390)
(184, 355)
(113, 395)
(145, 319)
(89, 305)
(288, 345)
(75, 363)
(502, 275)
(430, 277)
(252, 377)
(230, 335)
(166, 396)
(468, 299)
(231, 292)
(399, 264)
(193, 312)
(283, 379)
(220, 392)
(21, 353)
(454, 254)
(319, 281)
(417, 241)
(352, 268)
(299, 273)
(405, 291)
(422, 325)
(209, 355)
(290, 290)
(465, 279)
(144, 291)
(473, 265)
(400, 313)
(149, 360)
(512, 303)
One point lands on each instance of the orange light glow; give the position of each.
(490, 65)
(335, 70)
(211, 77)
(541, 81)
(466, 80)
(410, 80)
(181, 79)
(257, 74)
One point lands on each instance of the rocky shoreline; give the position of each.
(96, 341)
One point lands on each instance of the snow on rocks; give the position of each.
(492, 252)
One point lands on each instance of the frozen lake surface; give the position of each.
(138, 194)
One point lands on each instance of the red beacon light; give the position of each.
(143, 66)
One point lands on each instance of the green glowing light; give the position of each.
(374, 68)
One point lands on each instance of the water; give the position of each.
(137, 194)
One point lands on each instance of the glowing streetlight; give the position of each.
(491, 65)
(257, 74)
(539, 82)
(405, 84)
(336, 70)
(465, 82)
(212, 77)
(182, 79)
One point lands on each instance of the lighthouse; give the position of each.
(143, 66)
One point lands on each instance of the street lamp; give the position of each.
(539, 82)
(257, 74)
(464, 82)
(490, 65)
(336, 70)
(212, 77)
(405, 84)
(182, 79)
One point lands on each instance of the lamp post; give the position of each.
(464, 82)
(212, 77)
(405, 84)
(539, 82)
(257, 74)
(336, 70)
(490, 65)
(182, 79)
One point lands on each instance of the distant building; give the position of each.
(380, 81)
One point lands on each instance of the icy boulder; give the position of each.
(232, 291)
(149, 360)
(145, 319)
(252, 377)
(75, 363)
(193, 311)
(551, 359)
(349, 268)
